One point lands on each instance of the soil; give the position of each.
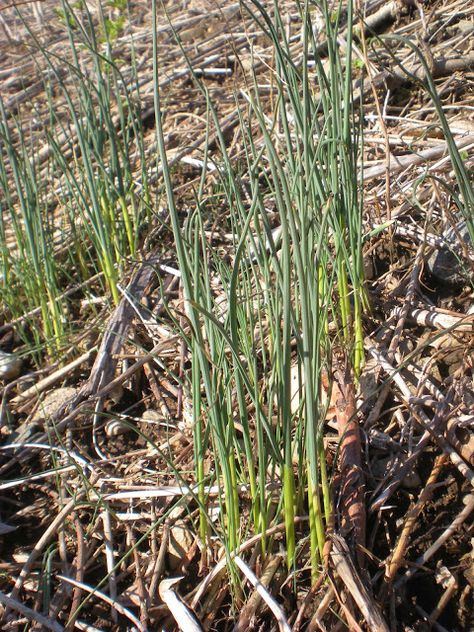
(138, 436)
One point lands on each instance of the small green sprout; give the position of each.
(114, 28)
(66, 18)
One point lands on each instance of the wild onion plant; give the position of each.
(265, 319)
(89, 221)
(30, 273)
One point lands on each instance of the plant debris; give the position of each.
(100, 510)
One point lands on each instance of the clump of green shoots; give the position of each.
(262, 321)
(89, 220)
(32, 271)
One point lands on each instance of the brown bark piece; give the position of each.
(351, 488)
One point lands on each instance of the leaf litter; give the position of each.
(96, 523)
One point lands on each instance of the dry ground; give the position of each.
(417, 436)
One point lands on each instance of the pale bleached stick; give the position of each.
(399, 163)
(29, 613)
(248, 612)
(264, 594)
(183, 616)
(111, 602)
(110, 559)
(438, 319)
(48, 381)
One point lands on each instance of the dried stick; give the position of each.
(39, 546)
(346, 604)
(408, 465)
(49, 380)
(441, 67)
(159, 566)
(438, 543)
(110, 559)
(411, 517)
(323, 606)
(450, 589)
(402, 315)
(183, 616)
(439, 319)
(264, 594)
(220, 566)
(344, 567)
(102, 596)
(32, 615)
(399, 163)
(77, 408)
(64, 591)
(307, 600)
(142, 592)
(423, 418)
(247, 613)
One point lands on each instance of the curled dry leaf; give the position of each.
(180, 542)
(10, 366)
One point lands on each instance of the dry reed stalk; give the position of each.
(346, 571)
